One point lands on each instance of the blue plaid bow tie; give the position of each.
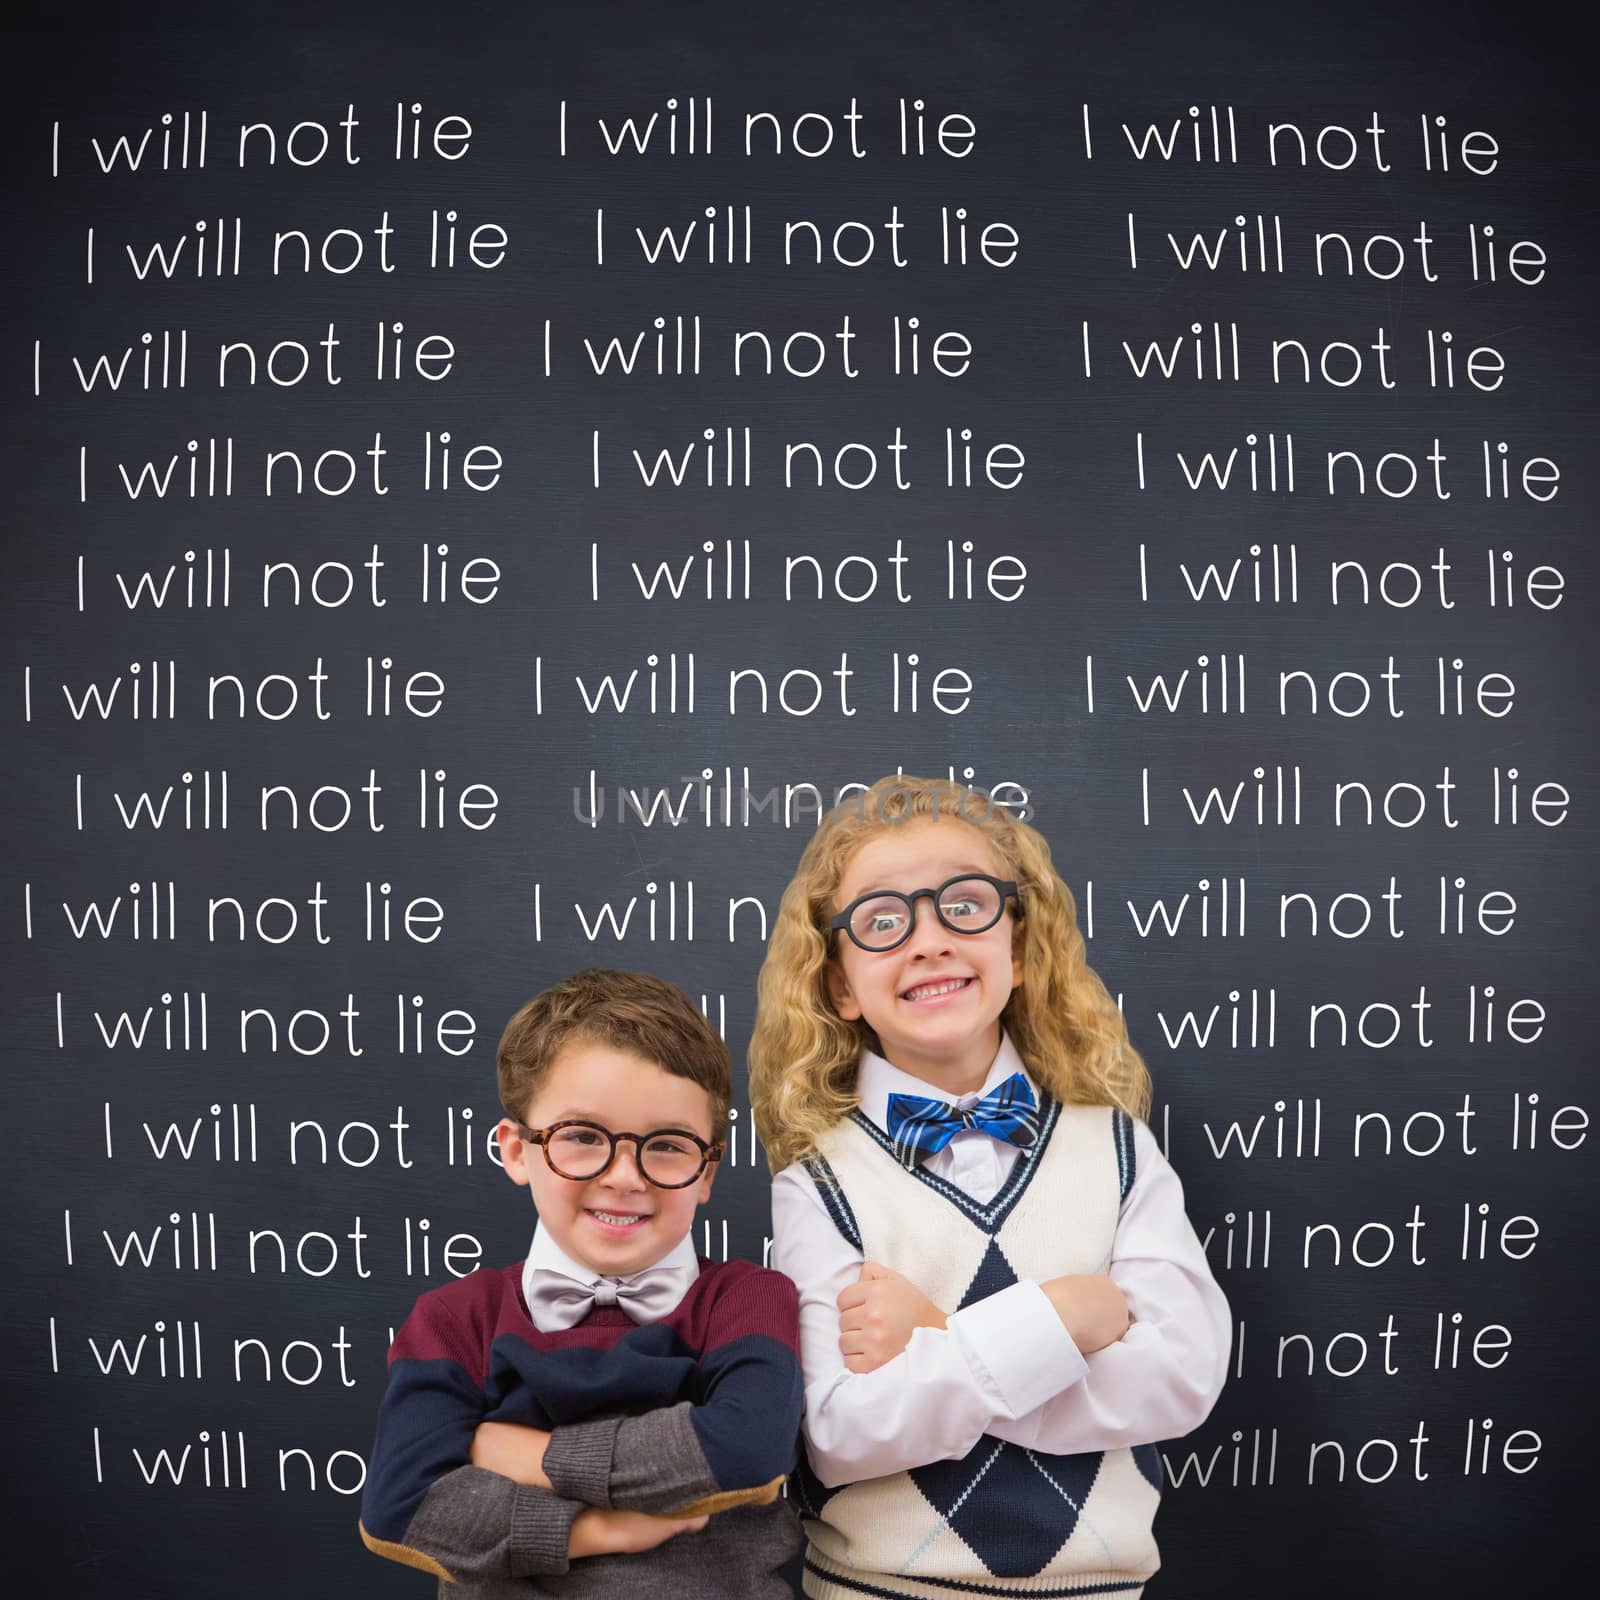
(921, 1127)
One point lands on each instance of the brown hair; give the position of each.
(631, 1011)
(1064, 1023)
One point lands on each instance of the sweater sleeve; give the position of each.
(424, 1504)
(734, 1446)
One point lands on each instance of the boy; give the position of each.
(610, 1416)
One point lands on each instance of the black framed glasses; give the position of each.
(669, 1158)
(879, 921)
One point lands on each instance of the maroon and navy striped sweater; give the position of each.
(697, 1412)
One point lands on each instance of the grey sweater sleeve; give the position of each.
(474, 1525)
(652, 1463)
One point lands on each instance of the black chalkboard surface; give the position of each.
(479, 477)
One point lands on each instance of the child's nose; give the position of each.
(928, 933)
(624, 1170)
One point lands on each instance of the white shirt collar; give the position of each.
(544, 1254)
(877, 1079)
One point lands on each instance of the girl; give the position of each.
(1002, 1302)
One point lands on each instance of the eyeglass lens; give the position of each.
(580, 1151)
(969, 905)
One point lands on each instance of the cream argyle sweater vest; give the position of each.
(1002, 1520)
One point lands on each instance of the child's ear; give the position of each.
(840, 992)
(513, 1150)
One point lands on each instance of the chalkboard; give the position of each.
(481, 476)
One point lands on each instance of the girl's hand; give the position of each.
(1092, 1309)
(611, 1533)
(878, 1314)
(512, 1450)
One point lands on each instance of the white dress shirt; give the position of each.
(1005, 1365)
(544, 1254)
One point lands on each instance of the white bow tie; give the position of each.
(556, 1301)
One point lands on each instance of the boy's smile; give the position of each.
(934, 1001)
(617, 1223)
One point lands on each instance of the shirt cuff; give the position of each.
(541, 1528)
(577, 1460)
(1015, 1339)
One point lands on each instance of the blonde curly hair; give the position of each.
(1062, 1020)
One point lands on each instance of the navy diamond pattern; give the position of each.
(1004, 1507)
(994, 1274)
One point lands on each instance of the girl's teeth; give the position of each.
(938, 988)
(617, 1217)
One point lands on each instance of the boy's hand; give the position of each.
(512, 1450)
(1092, 1309)
(611, 1533)
(878, 1313)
